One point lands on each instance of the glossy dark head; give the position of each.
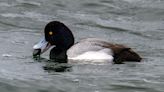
(58, 34)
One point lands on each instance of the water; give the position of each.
(135, 23)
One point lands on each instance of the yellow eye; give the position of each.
(50, 33)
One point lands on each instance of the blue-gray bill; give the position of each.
(40, 48)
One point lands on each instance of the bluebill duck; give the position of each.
(58, 35)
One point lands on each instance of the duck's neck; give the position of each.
(58, 55)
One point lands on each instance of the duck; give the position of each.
(60, 39)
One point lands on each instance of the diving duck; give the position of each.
(60, 38)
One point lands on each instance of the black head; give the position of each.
(58, 34)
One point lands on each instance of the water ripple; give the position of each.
(119, 29)
(17, 26)
(30, 3)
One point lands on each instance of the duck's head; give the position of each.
(58, 35)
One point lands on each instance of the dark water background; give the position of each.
(135, 23)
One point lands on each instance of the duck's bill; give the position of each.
(41, 47)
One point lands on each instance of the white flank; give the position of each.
(94, 56)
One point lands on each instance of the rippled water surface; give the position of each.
(135, 23)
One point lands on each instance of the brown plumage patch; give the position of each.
(121, 53)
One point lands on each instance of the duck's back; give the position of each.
(97, 49)
(90, 49)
